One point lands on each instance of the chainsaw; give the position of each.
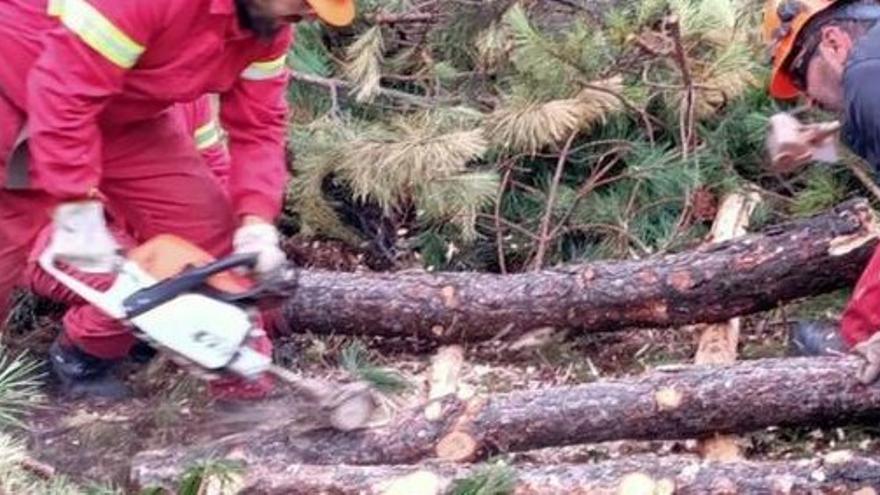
(182, 301)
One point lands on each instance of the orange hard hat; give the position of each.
(334, 12)
(783, 22)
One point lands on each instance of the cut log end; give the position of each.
(721, 448)
(457, 446)
(668, 399)
(643, 484)
(422, 482)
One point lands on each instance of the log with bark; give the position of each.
(838, 472)
(683, 402)
(709, 284)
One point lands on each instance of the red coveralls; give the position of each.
(861, 317)
(95, 80)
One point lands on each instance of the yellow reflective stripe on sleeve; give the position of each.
(207, 135)
(265, 70)
(97, 31)
(55, 7)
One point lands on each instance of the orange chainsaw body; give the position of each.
(167, 255)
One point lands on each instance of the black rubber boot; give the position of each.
(83, 376)
(815, 338)
(142, 353)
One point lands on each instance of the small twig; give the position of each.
(686, 113)
(544, 237)
(512, 225)
(590, 185)
(334, 84)
(499, 235)
(405, 17)
(613, 228)
(37, 468)
(863, 177)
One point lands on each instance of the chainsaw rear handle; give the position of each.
(189, 280)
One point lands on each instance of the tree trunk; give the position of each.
(684, 402)
(709, 284)
(682, 475)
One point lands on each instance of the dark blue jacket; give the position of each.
(861, 91)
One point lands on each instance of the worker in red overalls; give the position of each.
(87, 90)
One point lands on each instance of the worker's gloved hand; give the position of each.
(791, 144)
(869, 350)
(261, 238)
(80, 238)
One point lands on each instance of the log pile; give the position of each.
(427, 448)
(837, 473)
(678, 403)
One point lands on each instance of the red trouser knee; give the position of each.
(22, 214)
(157, 183)
(86, 326)
(861, 318)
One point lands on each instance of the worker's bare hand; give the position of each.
(869, 350)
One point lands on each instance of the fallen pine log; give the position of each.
(838, 472)
(709, 284)
(687, 402)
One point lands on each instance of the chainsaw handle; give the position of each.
(269, 291)
(189, 280)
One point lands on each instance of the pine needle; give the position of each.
(494, 479)
(386, 170)
(364, 64)
(529, 127)
(493, 46)
(355, 359)
(221, 473)
(458, 199)
(20, 382)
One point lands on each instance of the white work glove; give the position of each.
(792, 144)
(81, 239)
(869, 351)
(263, 239)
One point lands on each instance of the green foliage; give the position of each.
(309, 56)
(663, 102)
(490, 479)
(20, 388)
(822, 191)
(223, 472)
(355, 359)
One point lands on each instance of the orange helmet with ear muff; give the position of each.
(785, 20)
(334, 12)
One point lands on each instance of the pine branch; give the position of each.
(499, 236)
(686, 113)
(334, 85)
(364, 64)
(405, 17)
(544, 236)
